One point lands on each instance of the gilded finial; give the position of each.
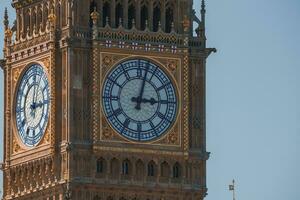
(186, 23)
(52, 16)
(95, 15)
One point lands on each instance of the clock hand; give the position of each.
(139, 98)
(152, 101)
(34, 86)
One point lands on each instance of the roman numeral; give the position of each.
(153, 128)
(126, 123)
(27, 131)
(153, 74)
(114, 98)
(160, 115)
(163, 86)
(23, 122)
(166, 102)
(114, 82)
(118, 112)
(125, 72)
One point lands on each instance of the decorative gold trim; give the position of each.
(171, 66)
(17, 76)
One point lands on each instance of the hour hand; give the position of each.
(152, 101)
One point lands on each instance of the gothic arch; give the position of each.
(101, 165)
(151, 168)
(119, 14)
(140, 170)
(177, 170)
(106, 12)
(144, 16)
(169, 12)
(156, 16)
(131, 14)
(126, 167)
(165, 169)
(114, 168)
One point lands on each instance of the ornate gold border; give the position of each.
(172, 135)
(17, 73)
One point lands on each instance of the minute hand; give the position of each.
(138, 104)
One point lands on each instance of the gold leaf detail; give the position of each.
(16, 146)
(16, 74)
(107, 60)
(107, 132)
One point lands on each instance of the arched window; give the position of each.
(156, 18)
(144, 17)
(106, 13)
(165, 169)
(169, 19)
(100, 165)
(131, 15)
(125, 167)
(151, 168)
(176, 170)
(114, 167)
(119, 14)
(140, 168)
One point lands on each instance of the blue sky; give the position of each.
(253, 97)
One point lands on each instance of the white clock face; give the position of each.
(139, 100)
(32, 105)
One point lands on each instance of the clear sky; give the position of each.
(253, 97)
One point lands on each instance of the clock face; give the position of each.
(139, 100)
(32, 105)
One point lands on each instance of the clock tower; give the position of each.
(105, 100)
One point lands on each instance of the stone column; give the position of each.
(163, 15)
(113, 13)
(138, 14)
(150, 15)
(125, 13)
(100, 11)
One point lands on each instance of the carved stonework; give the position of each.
(46, 62)
(16, 147)
(172, 66)
(16, 74)
(106, 130)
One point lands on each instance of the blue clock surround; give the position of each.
(139, 100)
(32, 105)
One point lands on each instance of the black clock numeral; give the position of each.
(126, 122)
(125, 72)
(19, 110)
(118, 112)
(153, 74)
(23, 122)
(114, 98)
(163, 86)
(166, 102)
(153, 128)
(139, 72)
(114, 82)
(160, 115)
(27, 131)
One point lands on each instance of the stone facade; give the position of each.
(80, 156)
